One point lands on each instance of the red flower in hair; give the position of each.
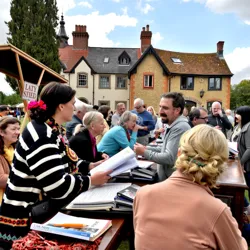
(36, 104)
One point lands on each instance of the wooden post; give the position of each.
(21, 89)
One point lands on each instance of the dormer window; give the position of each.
(106, 59)
(176, 60)
(124, 58)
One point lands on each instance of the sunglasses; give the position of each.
(137, 107)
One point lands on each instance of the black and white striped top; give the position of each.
(41, 164)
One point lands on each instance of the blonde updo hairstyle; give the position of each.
(203, 153)
(88, 119)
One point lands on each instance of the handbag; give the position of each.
(42, 211)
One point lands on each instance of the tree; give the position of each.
(10, 99)
(32, 29)
(240, 94)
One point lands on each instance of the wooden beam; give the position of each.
(40, 78)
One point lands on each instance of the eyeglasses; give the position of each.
(203, 118)
(137, 107)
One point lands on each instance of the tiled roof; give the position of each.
(70, 56)
(95, 59)
(194, 63)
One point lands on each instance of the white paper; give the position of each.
(99, 194)
(145, 164)
(130, 164)
(115, 161)
(232, 146)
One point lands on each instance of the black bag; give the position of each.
(42, 211)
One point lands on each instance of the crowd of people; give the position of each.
(65, 139)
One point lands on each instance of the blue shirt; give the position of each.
(144, 119)
(116, 139)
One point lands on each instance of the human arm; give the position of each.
(246, 156)
(122, 140)
(171, 146)
(4, 172)
(227, 124)
(227, 233)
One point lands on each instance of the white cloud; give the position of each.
(116, 1)
(147, 8)
(156, 37)
(65, 5)
(85, 4)
(4, 86)
(99, 26)
(239, 63)
(5, 16)
(238, 7)
(125, 10)
(144, 8)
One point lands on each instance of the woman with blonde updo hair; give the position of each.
(182, 210)
(83, 141)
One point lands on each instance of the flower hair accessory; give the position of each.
(36, 104)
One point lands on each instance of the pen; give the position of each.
(69, 225)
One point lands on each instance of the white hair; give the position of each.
(139, 100)
(79, 106)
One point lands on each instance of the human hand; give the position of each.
(94, 164)
(243, 170)
(220, 113)
(100, 177)
(139, 149)
(105, 156)
(217, 127)
(136, 127)
(161, 130)
(140, 127)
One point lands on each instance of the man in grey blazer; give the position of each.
(171, 108)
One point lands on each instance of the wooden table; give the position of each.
(113, 237)
(232, 186)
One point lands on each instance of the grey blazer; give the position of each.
(244, 146)
(166, 154)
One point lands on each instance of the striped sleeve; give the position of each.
(46, 164)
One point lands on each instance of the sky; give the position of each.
(177, 25)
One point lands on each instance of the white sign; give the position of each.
(30, 91)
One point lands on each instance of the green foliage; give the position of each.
(32, 29)
(10, 99)
(240, 94)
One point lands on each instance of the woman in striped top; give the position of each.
(44, 164)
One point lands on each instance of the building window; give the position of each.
(103, 102)
(104, 82)
(148, 81)
(187, 82)
(176, 60)
(106, 59)
(82, 80)
(209, 105)
(121, 82)
(214, 83)
(124, 58)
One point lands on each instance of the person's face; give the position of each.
(216, 108)
(5, 112)
(67, 110)
(203, 119)
(121, 109)
(185, 112)
(131, 123)
(150, 110)
(10, 134)
(138, 107)
(167, 112)
(238, 118)
(98, 126)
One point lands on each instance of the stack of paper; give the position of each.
(72, 226)
(98, 198)
(232, 146)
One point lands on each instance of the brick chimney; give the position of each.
(220, 46)
(146, 36)
(80, 37)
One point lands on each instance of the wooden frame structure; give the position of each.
(18, 64)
